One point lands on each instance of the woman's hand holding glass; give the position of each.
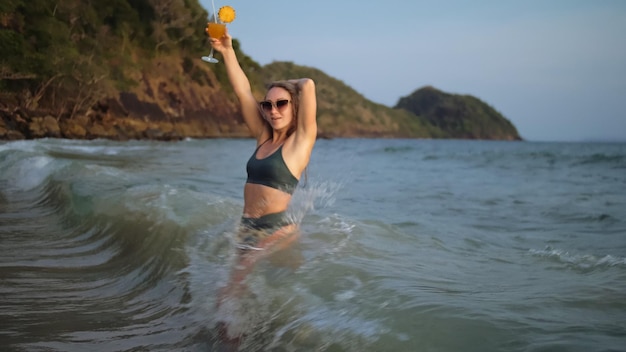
(223, 43)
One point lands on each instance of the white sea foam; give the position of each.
(32, 172)
(581, 261)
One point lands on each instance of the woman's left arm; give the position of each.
(301, 146)
(306, 130)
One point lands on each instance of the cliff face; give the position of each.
(174, 107)
(160, 106)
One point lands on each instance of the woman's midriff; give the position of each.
(261, 200)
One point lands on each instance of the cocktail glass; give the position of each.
(215, 30)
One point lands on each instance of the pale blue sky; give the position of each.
(555, 68)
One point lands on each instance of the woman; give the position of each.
(284, 125)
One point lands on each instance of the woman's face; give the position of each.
(277, 108)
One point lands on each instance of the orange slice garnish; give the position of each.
(226, 14)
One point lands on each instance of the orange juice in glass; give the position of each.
(216, 30)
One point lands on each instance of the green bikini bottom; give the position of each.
(253, 230)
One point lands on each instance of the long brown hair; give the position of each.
(294, 92)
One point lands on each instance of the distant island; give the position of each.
(460, 116)
(132, 70)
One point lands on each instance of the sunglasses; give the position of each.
(279, 104)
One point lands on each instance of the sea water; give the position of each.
(405, 245)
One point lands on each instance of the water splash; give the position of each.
(311, 197)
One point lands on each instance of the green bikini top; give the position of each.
(271, 171)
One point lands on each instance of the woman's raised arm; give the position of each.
(307, 114)
(241, 85)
